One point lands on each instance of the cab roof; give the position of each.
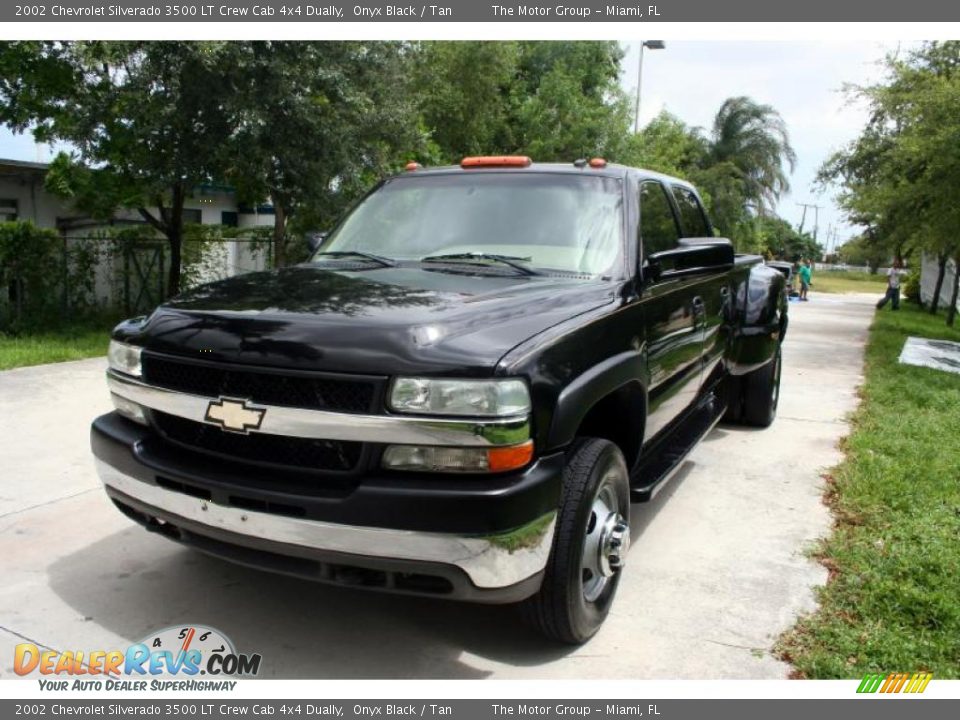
(612, 170)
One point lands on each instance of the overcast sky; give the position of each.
(691, 79)
(802, 80)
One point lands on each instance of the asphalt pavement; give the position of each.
(717, 571)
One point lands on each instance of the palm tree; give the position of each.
(754, 139)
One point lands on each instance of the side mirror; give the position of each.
(693, 256)
(315, 240)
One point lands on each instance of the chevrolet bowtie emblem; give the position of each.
(234, 415)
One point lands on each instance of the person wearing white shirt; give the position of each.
(893, 285)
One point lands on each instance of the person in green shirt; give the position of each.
(804, 279)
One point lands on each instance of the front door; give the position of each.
(673, 319)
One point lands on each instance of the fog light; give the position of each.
(129, 409)
(464, 460)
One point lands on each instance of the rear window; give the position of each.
(693, 220)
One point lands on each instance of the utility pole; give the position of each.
(816, 217)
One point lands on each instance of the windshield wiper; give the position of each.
(470, 258)
(380, 259)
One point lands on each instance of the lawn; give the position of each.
(52, 346)
(848, 281)
(893, 599)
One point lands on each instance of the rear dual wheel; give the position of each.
(761, 393)
(752, 399)
(590, 544)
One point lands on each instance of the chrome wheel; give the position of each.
(606, 541)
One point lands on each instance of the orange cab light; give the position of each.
(411, 166)
(509, 458)
(496, 161)
(598, 163)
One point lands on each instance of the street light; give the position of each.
(653, 45)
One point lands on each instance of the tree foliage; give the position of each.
(554, 101)
(901, 177)
(312, 125)
(142, 119)
(739, 167)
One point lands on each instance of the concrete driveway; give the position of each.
(717, 570)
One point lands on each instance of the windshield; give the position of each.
(557, 221)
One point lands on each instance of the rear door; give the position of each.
(712, 291)
(671, 317)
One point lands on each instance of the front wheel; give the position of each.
(590, 544)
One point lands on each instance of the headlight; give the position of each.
(124, 358)
(476, 398)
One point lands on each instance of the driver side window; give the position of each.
(658, 226)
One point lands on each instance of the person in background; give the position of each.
(893, 285)
(804, 279)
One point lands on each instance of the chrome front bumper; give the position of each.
(493, 561)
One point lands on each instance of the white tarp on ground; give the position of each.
(928, 281)
(936, 354)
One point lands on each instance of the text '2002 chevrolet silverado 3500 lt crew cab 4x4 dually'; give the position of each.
(461, 393)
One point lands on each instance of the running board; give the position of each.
(669, 456)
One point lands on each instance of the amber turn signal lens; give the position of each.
(510, 458)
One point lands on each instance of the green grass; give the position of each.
(52, 346)
(847, 281)
(893, 599)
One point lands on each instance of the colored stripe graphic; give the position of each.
(870, 684)
(894, 683)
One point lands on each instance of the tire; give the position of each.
(761, 393)
(733, 392)
(576, 593)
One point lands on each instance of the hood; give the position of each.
(380, 321)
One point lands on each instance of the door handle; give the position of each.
(699, 309)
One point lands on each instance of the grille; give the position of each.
(293, 452)
(266, 388)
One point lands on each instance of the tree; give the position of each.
(465, 112)
(730, 167)
(144, 120)
(571, 103)
(780, 240)
(315, 124)
(863, 251)
(901, 177)
(753, 138)
(668, 145)
(554, 101)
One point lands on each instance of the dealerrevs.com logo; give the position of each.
(180, 651)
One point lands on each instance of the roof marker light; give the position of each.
(496, 161)
(411, 166)
(598, 163)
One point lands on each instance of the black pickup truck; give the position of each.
(460, 395)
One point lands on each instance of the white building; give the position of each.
(928, 281)
(24, 197)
